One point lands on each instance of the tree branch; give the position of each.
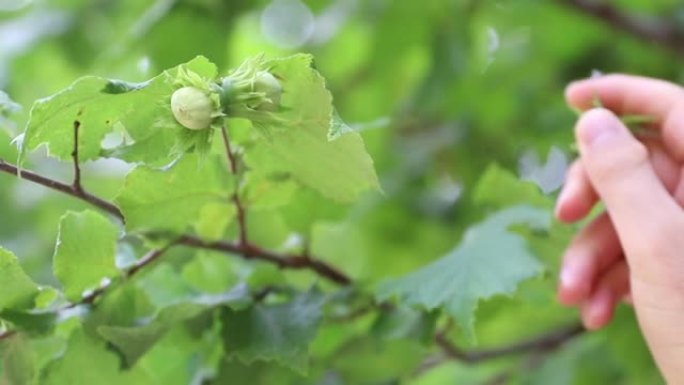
(61, 187)
(283, 261)
(247, 250)
(143, 262)
(7, 334)
(540, 344)
(240, 209)
(659, 31)
(76, 185)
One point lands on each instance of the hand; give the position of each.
(635, 249)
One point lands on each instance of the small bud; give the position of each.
(266, 83)
(192, 108)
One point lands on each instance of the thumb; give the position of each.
(619, 169)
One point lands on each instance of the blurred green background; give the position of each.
(439, 89)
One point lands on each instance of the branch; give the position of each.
(248, 251)
(7, 334)
(143, 262)
(76, 185)
(147, 259)
(90, 298)
(239, 208)
(283, 261)
(61, 187)
(541, 344)
(659, 31)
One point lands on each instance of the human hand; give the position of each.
(635, 249)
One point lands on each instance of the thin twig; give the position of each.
(147, 260)
(537, 347)
(7, 334)
(543, 343)
(143, 262)
(283, 261)
(77, 165)
(653, 31)
(91, 297)
(239, 207)
(61, 187)
(248, 251)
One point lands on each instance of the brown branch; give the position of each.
(143, 262)
(7, 334)
(76, 185)
(283, 261)
(653, 31)
(248, 251)
(61, 187)
(239, 207)
(541, 344)
(147, 259)
(91, 297)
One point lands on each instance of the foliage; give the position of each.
(398, 234)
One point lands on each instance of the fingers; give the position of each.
(618, 167)
(577, 197)
(624, 94)
(593, 250)
(613, 286)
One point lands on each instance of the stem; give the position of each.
(283, 261)
(541, 344)
(7, 334)
(143, 262)
(240, 209)
(147, 260)
(248, 251)
(77, 167)
(62, 187)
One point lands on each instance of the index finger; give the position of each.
(635, 95)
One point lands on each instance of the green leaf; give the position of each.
(213, 220)
(301, 143)
(7, 108)
(135, 341)
(31, 322)
(404, 322)
(164, 286)
(7, 105)
(141, 110)
(124, 305)
(500, 188)
(173, 198)
(210, 272)
(279, 332)
(19, 290)
(132, 342)
(18, 362)
(47, 296)
(85, 252)
(87, 362)
(52, 119)
(477, 269)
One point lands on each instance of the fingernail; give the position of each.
(570, 276)
(597, 125)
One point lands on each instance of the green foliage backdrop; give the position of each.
(411, 245)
